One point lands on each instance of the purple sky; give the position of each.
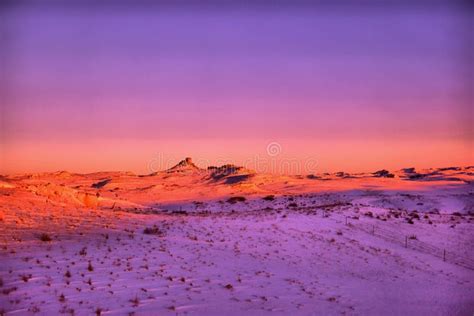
(188, 80)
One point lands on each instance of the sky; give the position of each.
(126, 87)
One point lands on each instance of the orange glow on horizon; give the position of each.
(295, 156)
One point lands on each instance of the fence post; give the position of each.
(444, 254)
(373, 229)
(406, 241)
(346, 220)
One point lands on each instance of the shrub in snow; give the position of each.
(45, 237)
(269, 198)
(236, 199)
(153, 231)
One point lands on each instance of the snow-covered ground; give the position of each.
(237, 243)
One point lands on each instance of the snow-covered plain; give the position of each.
(237, 242)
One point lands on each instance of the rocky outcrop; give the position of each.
(184, 166)
(383, 174)
(230, 174)
(224, 171)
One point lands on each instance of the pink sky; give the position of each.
(115, 89)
